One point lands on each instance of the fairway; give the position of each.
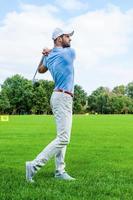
(100, 157)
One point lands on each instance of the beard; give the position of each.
(66, 45)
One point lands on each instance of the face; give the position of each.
(66, 40)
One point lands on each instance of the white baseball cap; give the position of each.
(58, 32)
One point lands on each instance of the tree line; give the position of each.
(19, 96)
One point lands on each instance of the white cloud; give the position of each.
(23, 36)
(102, 39)
(72, 5)
(103, 33)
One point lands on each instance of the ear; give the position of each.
(59, 39)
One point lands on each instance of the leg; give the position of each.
(62, 110)
(64, 124)
(60, 161)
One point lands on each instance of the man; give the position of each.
(59, 61)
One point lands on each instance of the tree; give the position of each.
(48, 87)
(119, 90)
(4, 103)
(99, 101)
(19, 96)
(129, 90)
(121, 104)
(80, 100)
(40, 99)
(19, 92)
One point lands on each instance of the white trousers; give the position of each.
(61, 104)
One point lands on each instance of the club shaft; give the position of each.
(41, 61)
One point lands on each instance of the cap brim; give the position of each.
(71, 33)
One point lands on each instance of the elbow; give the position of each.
(39, 70)
(42, 69)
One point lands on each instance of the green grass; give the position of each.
(100, 157)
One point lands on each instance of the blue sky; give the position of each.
(103, 38)
(8, 5)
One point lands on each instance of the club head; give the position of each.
(35, 82)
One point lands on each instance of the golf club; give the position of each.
(35, 81)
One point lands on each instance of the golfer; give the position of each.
(59, 61)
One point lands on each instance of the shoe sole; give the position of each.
(60, 178)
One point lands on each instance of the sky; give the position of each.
(103, 38)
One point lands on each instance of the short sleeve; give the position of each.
(69, 53)
(73, 53)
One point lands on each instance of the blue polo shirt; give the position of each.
(60, 64)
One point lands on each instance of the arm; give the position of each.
(41, 67)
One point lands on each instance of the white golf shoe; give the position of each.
(64, 176)
(30, 171)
